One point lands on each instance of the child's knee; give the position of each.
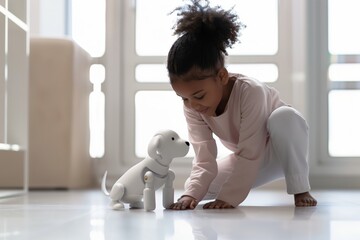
(286, 120)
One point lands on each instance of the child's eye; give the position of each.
(199, 97)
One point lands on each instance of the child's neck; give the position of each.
(226, 95)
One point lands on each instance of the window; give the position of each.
(150, 104)
(334, 63)
(88, 30)
(344, 78)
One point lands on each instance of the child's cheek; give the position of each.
(186, 103)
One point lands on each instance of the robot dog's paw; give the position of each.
(117, 205)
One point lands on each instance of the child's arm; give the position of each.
(255, 110)
(204, 168)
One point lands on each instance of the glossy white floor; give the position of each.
(81, 215)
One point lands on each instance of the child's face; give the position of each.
(203, 96)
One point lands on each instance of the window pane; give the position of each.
(88, 25)
(156, 110)
(259, 38)
(148, 73)
(154, 34)
(344, 118)
(262, 72)
(344, 19)
(97, 112)
(3, 78)
(344, 72)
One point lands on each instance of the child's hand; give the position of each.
(217, 204)
(185, 202)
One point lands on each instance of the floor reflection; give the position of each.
(86, 215)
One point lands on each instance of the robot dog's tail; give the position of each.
(103, 185)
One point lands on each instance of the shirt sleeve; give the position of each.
(254, 112)
(204, 168)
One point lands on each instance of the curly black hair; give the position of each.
(204, 35)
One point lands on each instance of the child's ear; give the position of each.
(223, 75)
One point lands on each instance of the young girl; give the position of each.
(268, 138)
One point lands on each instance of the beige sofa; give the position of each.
(58, 118)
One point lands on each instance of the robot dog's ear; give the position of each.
(153, 147)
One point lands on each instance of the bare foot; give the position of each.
(304, 200)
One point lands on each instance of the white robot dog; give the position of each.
(142, 180)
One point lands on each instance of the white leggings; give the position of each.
(286, 155)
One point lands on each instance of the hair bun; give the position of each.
(209, 24)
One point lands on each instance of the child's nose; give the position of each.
(194, 105)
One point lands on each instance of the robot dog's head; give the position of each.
(166, 145)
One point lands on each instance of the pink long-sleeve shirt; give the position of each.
(242, 129)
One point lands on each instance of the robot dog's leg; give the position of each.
(149, 192)
(168, 191)
(116, 195)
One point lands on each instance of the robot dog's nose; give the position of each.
(187, 143)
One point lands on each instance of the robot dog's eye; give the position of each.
(172, 138)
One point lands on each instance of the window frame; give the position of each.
(325, 168)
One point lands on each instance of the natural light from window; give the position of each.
(344, 73)
(260, 37)
(344, 118)
(88, 30)
(157, 73)
(344, 19)
(88, 25)
(97, 112)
